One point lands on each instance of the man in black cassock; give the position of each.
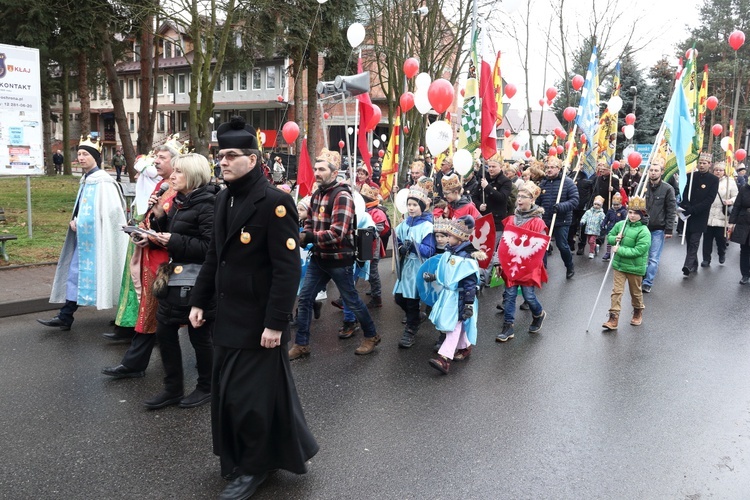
(252, 269)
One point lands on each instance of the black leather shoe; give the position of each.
(243, 487)
(116, 337)
(122, 371)
(571, 272)
(161, 400)
(195, 399)
(55, 322)
(317, 306)
(705, 263)
(722, 259)
(686, 271)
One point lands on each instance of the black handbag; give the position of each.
(174, 275)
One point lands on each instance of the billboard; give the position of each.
(21, 137)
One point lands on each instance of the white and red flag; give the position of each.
(521, 254)
(484, 238)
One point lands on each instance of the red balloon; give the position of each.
(411, 67)
(615, 165)
(712, 102)
(527, 153)
(634, 159)
(280, 98)
(630, 118)
(515, 145)
(507, 134)
(583, 138)
(717, 129)
(541, 102)
(689, 53)
(559, 132)
(381, 153)
(421, 149)
(406, 130)
(560, 150)
(463, 92)
(440, 94)
(549, 102)
(622, 129)
(569, 113)
(290, 131)
(551, 93)
(341, 144)
(510, 90)
(740, 154)
(568, 144)
(577, 82)
(406, 101)
(552, 151)
(736, 39)
(374, 119)
(326, 116)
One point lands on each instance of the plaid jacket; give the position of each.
(333, 238)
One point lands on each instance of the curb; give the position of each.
(26, 307)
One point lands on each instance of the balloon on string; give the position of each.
(630, 119)
(376, 143)
(290, 132)
(341, 144)
(463, 92)
(634, 159)
(326, 116)
(628, 130)
(515, 145)
(510, 90)
(583, 139)
(381, 153)
(724, 143)
(552, 151)
(440, 94)
(401, 201)
(736, 39)
(438, 137)
(541, 103)
(462, 162)
(527, 154)
(522, 137)
(740, 154)
(355, 34)
(551, 93)
(507, 134)
(577, 82)
(712, 102)
(615, 104)
(549, 139)
(549, 102)
(615, 165)
(568, 144)
(423, 81)
(421, 149)
(717, 129)
(560, 150)
(406, 129)
(383, 137)
(569, 113)
(359, 204)
(411, 67)
(560, 133)
(350, 130)
(422, 101)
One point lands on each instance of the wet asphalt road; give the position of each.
(658, 411)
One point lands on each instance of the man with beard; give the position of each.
(661, 207)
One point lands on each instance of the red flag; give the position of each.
(521, 253)
(489, 106)
(305, 177)
(484, 238)
(365, 115)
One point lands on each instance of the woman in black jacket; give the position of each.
(185, 231)
(739, 226)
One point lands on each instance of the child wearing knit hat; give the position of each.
(591, 221)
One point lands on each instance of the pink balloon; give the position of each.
(440, 95)
(507, 134)
(515, 145)
(411, 67)
(406, 101)
(341, 144)
(527, 153)
(541, 102)
(290, 131)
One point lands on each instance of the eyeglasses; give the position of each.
(523, 196)
(230, 156)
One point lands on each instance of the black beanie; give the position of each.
(421, 203)
(236, 134)
(93, 152)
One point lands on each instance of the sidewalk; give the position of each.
(26, 289)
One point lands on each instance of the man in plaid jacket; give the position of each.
(330, 228)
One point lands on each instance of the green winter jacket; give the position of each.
(632, 256)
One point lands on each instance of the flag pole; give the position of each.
(606, 273)
(566, 164)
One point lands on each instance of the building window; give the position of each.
(183, 118)
(217, 88)
(161, 123)
(271, 77)
(104, 92)
(131, 121)
(167, 50)
(282, 77)
(270, 119)
(94, 96)
(136, 52)
(131, 88)
(243, 80)
(160, 85)
(181, 83)
(122, 88)
(170, 84)
(256, 118)
(230, 80)
(177, 50)
(256, 78)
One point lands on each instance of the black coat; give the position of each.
(255, 282)
(740, 216)
(190, 222)
(698, 204)
(600, 187)
(496, 196)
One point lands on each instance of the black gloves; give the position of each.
(404, 249)
(468, 311)
(556, 208)
(429, 277)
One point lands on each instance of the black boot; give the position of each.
(407, 338)
(317, 306)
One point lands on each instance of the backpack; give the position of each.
(363, 238)
(510, 204)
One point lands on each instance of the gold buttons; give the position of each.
(245, 237)
(280, 211)
(291, 244)
(177, 269)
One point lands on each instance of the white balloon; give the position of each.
(724, 143)
(438, 137)
(422, 81)
(522, 137)
(359, 204)
(400, 200)
(615, 104)
(549, 139)
(628, 130)
(462, 162)
(350, 130)
(383, 137)
(321, 2)
(376, 143)
(355, 34)
(422, 101)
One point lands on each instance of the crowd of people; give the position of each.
(240, 263)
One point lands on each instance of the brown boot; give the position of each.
(637, 317)
(367, 345)
(298, 351)
(612, 323)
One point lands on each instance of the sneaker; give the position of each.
(462, 354)
(195, 399)
(368, 345)
(407, 338)
(348, 330)
(591, 255)
(570, 273)
(536, 323)
(722, 259)
(646, 288)
(506, 334)
(299, 351)
(338, 303)
(441, 364)
(606, 257)
(745, 280)
(706, 263)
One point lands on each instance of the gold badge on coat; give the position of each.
(703, 186)
(178, 269)
(322, 209)
(453, 262)
(166, 207)
(291, 244)
(280, 211)
(245, 237)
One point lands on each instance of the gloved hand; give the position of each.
(403, 250)
(429, 277)
(556, 208)
(468, 311)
